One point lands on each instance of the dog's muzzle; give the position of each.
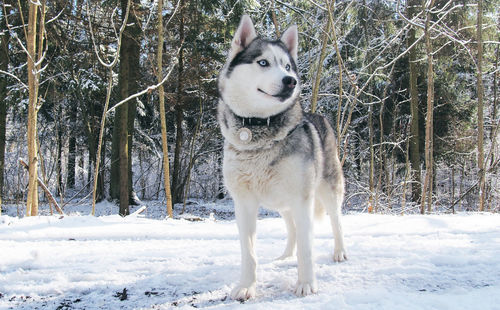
(289, 84)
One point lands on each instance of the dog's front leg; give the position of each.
(246, 219)
(303, 216)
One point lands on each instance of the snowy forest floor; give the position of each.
(143, 261)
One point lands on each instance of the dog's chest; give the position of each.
(250, 170)
(259, 173)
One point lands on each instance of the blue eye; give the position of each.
(263, 63)
(287, 67)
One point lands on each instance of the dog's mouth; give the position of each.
(283, 95)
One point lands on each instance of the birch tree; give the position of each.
(35, 57)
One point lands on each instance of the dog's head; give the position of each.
(260, 76)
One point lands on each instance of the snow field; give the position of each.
(395, 262)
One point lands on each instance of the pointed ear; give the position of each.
(291, 40)
(243, 36)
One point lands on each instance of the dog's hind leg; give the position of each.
(291, 235)
(246, 218)
(303, 214)
(331, 198)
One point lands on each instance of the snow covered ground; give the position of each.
(109, 262)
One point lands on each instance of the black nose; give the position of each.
(289, 81)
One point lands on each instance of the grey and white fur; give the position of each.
(275, 155)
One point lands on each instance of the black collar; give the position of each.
(257, 121)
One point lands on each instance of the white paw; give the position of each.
(306, 288)
(339, 255)
(242, 293)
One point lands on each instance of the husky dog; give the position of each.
(275, 155)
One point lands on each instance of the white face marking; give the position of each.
(250, 89)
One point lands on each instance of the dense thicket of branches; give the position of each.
(364, 63)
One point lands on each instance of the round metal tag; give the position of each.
(245, 135)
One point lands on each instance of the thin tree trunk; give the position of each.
(414, 125)
(220, 178)
(101, 133)
(382, 170)
(427, 190)
(331, 8)
(59, 191)
(71, 165)
(179, 115)
(372, 160)
(33, 83)
(4, 65)
(191, 151)
(492, 130)
(178, 189)
(372, 206)
(480, 106)
(275, 20)
(132, 34)
(319, 69)
(161, 94)
(123, 121)
(453, 187)
(114, 186)
(407, 175)
(461, 186)
(123, 153)
(41, 161)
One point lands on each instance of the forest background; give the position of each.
(411, 88)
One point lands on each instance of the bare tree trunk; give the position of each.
(275, 20)
(179, 116)
(101, 133)
(123, 155)
(414, 126)
(453, 187)
(124, 123)
(132, 35)
(71, 165)
(492, 130)
(220, 185)
(372, 160)
(4, 65)
(59, 191)
(461, 186)
(407, 175)
(114, 186)
(123, 111)
(159, 59)
(480, 106)
(331, 8)
(191, 151)
(176, 177)
(319, 69)
(33, 84)
(427, 190)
